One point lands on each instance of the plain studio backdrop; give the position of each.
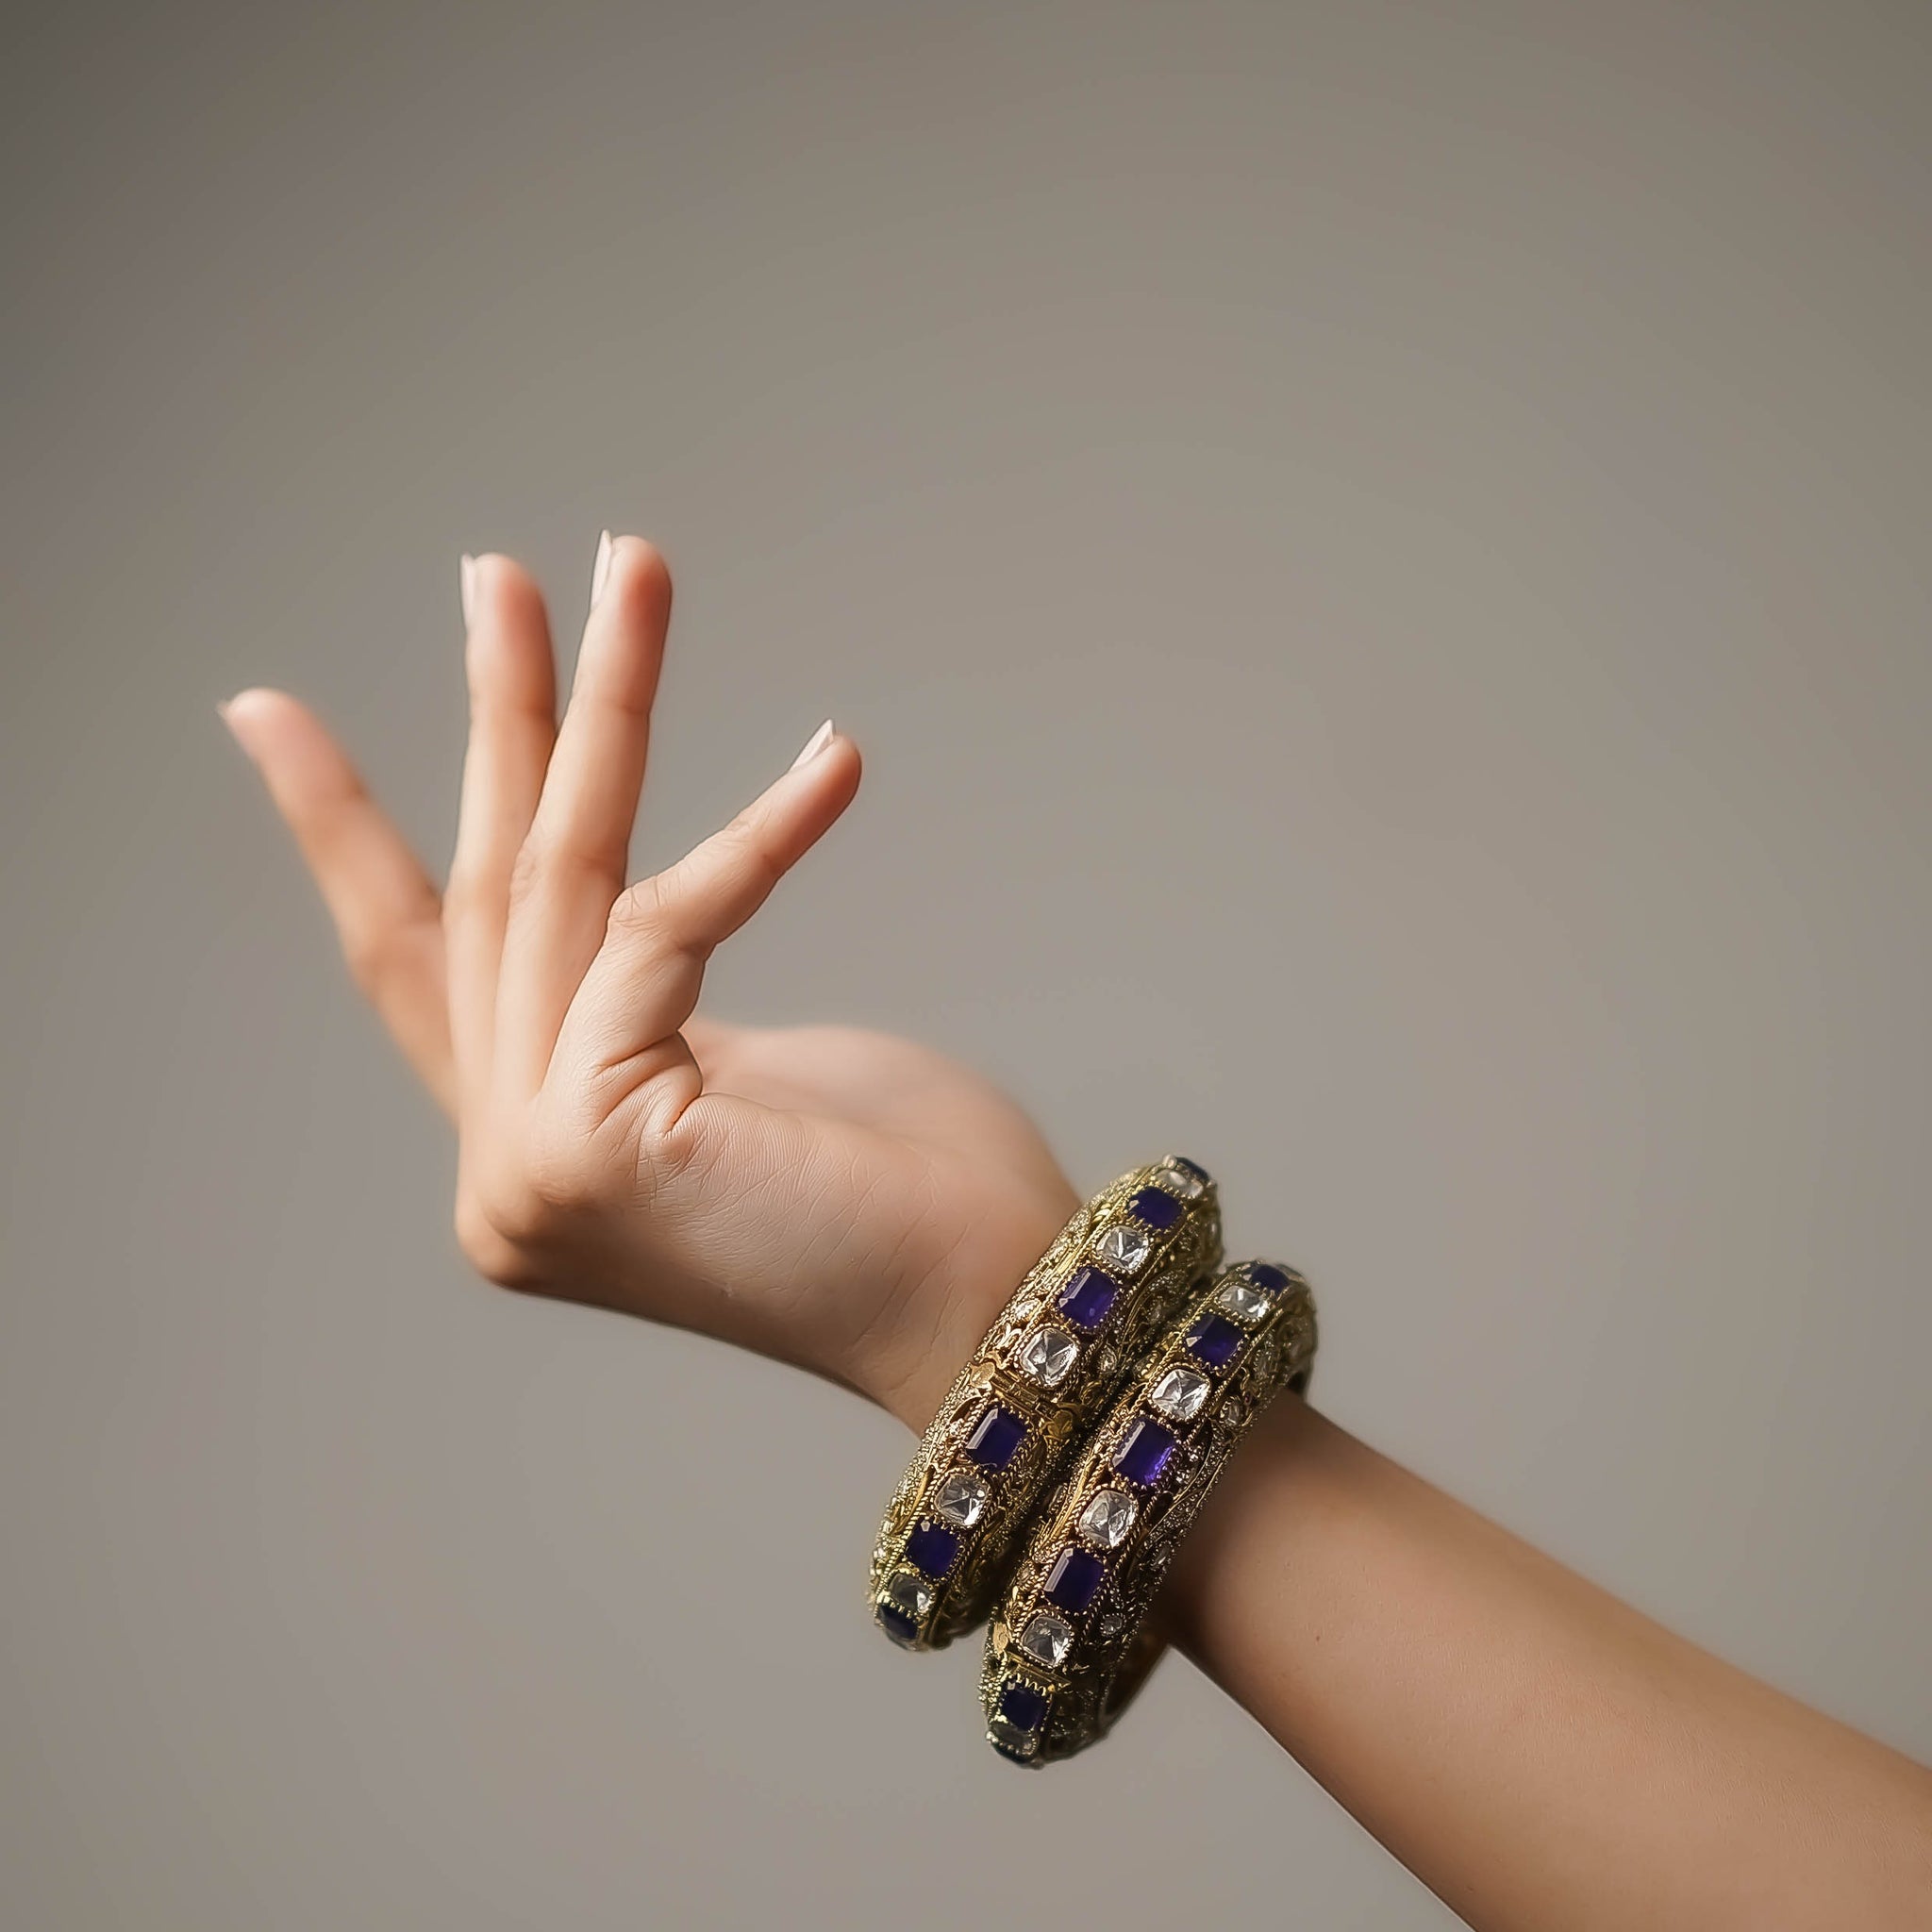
(1378, 558)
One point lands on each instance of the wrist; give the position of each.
(1265, 1482)
(962, 1290)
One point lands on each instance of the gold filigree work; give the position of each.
(934, 1576)
(1036, 1713)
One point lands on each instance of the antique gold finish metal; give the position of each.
(1072, 1640)
(1072, 1333)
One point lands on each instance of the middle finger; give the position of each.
(574, 861)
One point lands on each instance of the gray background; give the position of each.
(1379, 557)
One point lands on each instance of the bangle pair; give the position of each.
(1075, 1448)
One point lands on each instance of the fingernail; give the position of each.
(600, 571)
(814, 744)
(466, 582)
(225, 711)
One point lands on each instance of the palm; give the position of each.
(893, 1192)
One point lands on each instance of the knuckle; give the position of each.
(489, 1250)
(531, 1190)
(463, 898)
(752, 859)
(508, 1202)
(517, 1211)
(547, 862)
(698, 891)
(739, 853)
(657, 918)
(560, 1187)
(525, 871)
(638, 910)
(377, 957)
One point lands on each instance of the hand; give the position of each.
(839, 1199)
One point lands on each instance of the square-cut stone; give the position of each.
(932, 1548)
(1088, 1297)
(1184, 1178)
(1108, 1518)
(1047, 1355)
(1266, 1275)
(1015, 1746)
(897, 1625)
(960, 1499)
(1179, 1393)
(1244, 1300)
(993, 1442)
(1214, 1340)
(902, 1608)
(1046, 1639)
(1155, 1206)
(1144, 1455)
(1123, 1249)
(1021, 1705)
(1074, 1578)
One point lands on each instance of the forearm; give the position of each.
(1535, 1752)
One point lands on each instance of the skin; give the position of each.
(1535, 1752)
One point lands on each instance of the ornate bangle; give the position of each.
(1071, 1333)
(1071, 1641)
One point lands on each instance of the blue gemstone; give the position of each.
(1265, 1274)
(1144, 1455)
(1075, 1578)
(897, 1625)
(1214, 1342)
(1023, 1706)
(1086, 1297)
(1194, 1167)
(1155, 1206)
(932, 1549)
(992, 1443)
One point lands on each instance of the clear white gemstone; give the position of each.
(960, 1499)
(1108, 1518)
(1021, 1744)
(905, 1592)
(1046, 1639)
(1123, 1250)
(1177, 1180)
(1048, 1354)
(1179, 1393)
(1111, 1625)
(1243, 1300)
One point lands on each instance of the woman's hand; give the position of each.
(839, 1199)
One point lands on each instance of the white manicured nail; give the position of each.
(600, 571)
(814, 744)
(466, 583)
(238, 714)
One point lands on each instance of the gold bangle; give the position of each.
(1071, 1641)
(1071, 1332)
